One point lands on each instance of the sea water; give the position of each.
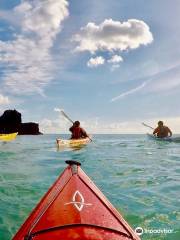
(139, 176)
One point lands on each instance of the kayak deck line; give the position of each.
(75, 164)
(55, 193)
(53, 196)
(30, 237)
(107, 204)
(74, 205)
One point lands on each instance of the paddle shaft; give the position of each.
(66, 116)
(147, 126)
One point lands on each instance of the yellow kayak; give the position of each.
(8, 137)
(72, 142)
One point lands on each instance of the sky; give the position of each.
(110, 64)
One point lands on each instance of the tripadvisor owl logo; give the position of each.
(139, 231)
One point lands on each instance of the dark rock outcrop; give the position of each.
(29, 128)
(11, 122)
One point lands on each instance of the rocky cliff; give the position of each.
(11, 121)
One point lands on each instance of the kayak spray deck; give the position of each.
(74, 208)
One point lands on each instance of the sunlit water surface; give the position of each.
(139, 176)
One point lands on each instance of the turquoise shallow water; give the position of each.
(139, 176)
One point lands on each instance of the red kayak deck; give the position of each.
(74, 208)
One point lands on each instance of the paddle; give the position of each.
(147, 126)
(66, 116)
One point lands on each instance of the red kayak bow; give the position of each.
(74, 208)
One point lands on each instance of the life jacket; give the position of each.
(76, 133)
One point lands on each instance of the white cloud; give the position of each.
(96, 125)
(58, 125)
(115, 59)
(94, 62)
(43, 17)
(122, 95)
(113, 36)
(114, 67)
(4, 100)
(165, 80)
(27, 60)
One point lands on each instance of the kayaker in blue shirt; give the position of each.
(77, 131)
